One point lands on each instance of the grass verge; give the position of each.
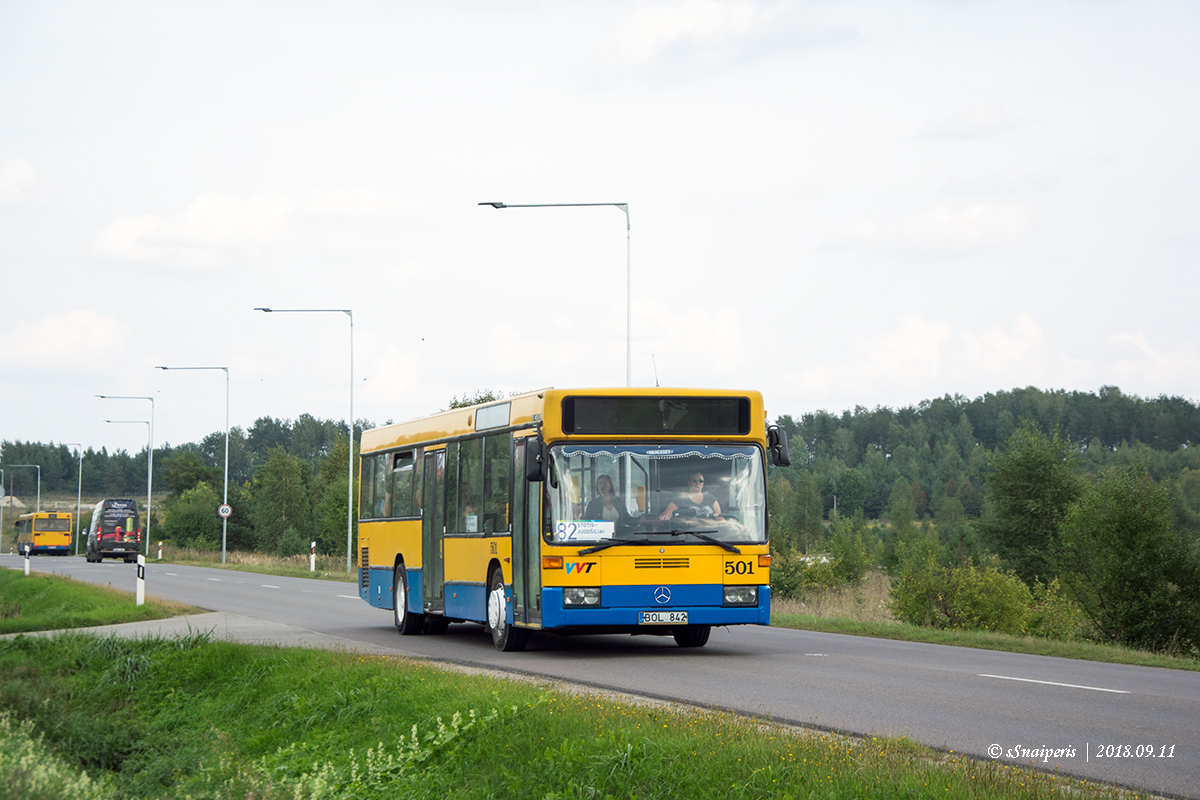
(862, 610)
(40, 602)
(195, 718)
(328, 567)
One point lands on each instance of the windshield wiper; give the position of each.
(705, 536)
(604, 544)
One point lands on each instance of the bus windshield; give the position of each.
(52, 524)
(655, 494)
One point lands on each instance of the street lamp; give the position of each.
(78, 495)
(628, 270)
(225, 490)
(349, 422)
(149, 477)
(149, 455)
(38, 467)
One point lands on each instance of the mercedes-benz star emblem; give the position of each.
(662, 595)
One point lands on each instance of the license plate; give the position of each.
(662, 618)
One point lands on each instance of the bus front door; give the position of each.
(526, 541)
(433, 532)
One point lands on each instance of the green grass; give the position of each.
(191, 717)
(38, 602)
(985, 640)
(328, 567)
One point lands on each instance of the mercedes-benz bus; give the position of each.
(638, 511)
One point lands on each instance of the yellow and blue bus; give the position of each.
(44, 533)
(640, 511)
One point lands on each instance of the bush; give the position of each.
(1053, 615)
(964, 597)
(192, 519)
(291, 544)
(1132, 572)
(793, 572)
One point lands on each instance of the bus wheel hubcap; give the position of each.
(496, 609)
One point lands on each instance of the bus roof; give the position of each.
(527, 410)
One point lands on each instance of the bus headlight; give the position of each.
(581, 596)
(741, 595)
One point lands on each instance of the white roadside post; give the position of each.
(160, 551)
(312, 558)
(141, 580)
(26, 551)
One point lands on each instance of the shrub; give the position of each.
(964, 597)
(291, 544)
(1053, 615)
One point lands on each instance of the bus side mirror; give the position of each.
(535, 469)
(777, 443)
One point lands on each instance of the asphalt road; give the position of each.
(970, 701)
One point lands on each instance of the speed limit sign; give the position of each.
(224, 511)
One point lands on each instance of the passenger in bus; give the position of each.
(607, 504)
(694, 502)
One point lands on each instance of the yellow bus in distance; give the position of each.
(640, 511)
(44, 533)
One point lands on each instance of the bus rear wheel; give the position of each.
(693, 636)
(506, 637)
(407, 622)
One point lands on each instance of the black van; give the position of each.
(115, 532)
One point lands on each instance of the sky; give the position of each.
(838, 204)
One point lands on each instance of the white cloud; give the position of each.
(1153, 366)
(996, 349)
(695, 36)
(942, 233)
(202, 236)
(353, 204)
(969, 125)
(910, 355)
(81, 340)
(650, 30)
(17, 180)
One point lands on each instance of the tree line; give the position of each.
(1065, 515)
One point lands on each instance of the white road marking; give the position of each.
(1052, 683)
(218, 580)
(349, 596)
(269, 586)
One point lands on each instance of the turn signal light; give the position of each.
(764, 561)
(552, 562)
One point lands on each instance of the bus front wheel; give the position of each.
(407, 622)
(504, 636)
(693, 636)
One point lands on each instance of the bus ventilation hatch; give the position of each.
(364, 572)
(660, 563)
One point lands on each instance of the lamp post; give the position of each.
(628, 269)
(149, 455)
(225, 490)
(78, 495)
(349, 422)
(38, 467)
(149, 479)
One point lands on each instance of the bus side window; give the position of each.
(402, 482)
(497, 471)
(366, 483)
(380, 499)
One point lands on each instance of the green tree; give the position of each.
(192, 521)
(1135, 576)
(184, 469)
(331, 496)
(807, 513)
(282, 499)
(1032, 483)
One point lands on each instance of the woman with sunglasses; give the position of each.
(695, 502)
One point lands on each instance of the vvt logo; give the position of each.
(580, 567)
(662, 595)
